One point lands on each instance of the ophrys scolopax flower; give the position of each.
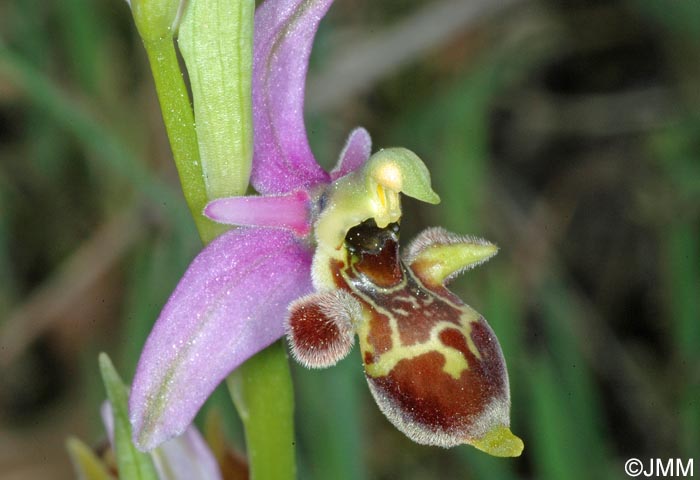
(303, 234)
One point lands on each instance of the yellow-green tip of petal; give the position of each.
(500, 442)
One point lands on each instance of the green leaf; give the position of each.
(216, 41)
(133, 464)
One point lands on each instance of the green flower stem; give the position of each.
(262, 392)
(179, 123)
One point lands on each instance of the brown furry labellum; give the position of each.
(433, 364)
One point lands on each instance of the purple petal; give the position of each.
(284, 33)
(186, 457)
(355, 153)
(230, 304)
(108, 420)
(284, 211)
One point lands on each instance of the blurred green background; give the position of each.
(567, 132)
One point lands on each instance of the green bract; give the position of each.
(132, 463)
(216, 41)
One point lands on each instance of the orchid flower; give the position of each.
(316, 257)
